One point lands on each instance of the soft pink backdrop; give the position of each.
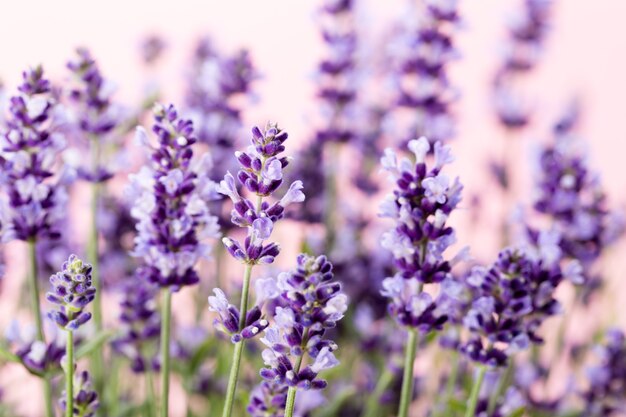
(585, 56)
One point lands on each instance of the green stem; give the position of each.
(234, 370)
(34, 292)
(291, 392)
(331, 196)
(505, 379)
(69, 375)
(97, 360)
(406, 395)
(150, 394)
(165, 350)
(232, 379)
(453, 376)
(291, 401)
(372, 408)
(473, 400)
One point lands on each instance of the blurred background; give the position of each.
(583, 58)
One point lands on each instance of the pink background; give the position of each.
(584, 56)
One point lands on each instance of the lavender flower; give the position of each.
(313, 303)
(268, 399)
(261, 173)
(140, 324)
(512, 298)
(571, 195)
(216, 82)
(229, 318)
(38, 357)
(605, 394)
(94, 114)
(28, 153)
(171, 197)
(72, 291)
(337, 88)
(85, 399)
(421, 204)
(527, 32)
(421, 56)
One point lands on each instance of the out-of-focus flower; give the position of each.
(511, 299)
(171, 204)
(607, 380)
(572, 195)
(37, 357)
(152, 48)
(140, 323)
(216, 81)
(28, 152)
(527, 31)
(421, 53)
(85, 399)
(72, 290)
(93, 115)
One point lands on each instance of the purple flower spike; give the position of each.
(528, 29)
(508, 302)
(28, 151)
(261, 174)
(71, 290)
(141, 323)
(312, 303)
(171, 206)
(421, 204)
(421, 56)
(85, 398)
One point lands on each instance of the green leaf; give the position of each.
(6, 355)
(95, 343)
(518, 413)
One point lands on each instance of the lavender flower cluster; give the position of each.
(422, 53)
(284, 334)
(72, 290)
(512, 298)
(420, 205)
(261, 174)
(171, 197)
(29, 148)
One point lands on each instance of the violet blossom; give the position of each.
(72, 290)
(526, 36)
(85, 398)
(313, 304)
(420, 205)
(140, 323)
(421, 54)
(171, 196)
(512, 298)
(29, 147)
(261, 174)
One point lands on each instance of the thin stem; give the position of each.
(150, 394)
(234, 370)
(331, 196)
(505, 379)
(473, 400)
(232, 379)
(34, 293)
(165, 349)
(406, 395)
(69, 375)
(453, 376)
(372, 408)
(292, 391)
(97, 360)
